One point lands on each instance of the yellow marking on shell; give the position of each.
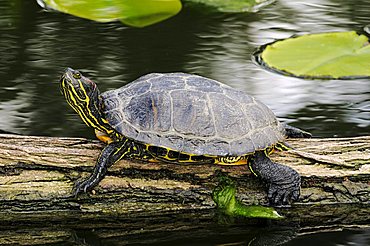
(226, 161)
(189, 160)
(231, 161)
(166, 156)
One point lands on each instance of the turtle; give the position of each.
(183, 118)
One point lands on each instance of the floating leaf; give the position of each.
(232, 6)
(338, 55)
(138, 13)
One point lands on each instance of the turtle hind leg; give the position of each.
(294, 132)
(283, 182)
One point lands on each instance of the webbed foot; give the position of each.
(282, 193)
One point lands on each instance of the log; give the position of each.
(37, 175)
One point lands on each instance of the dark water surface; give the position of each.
(35, 47)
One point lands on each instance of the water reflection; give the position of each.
(35, 46)
(343, 238)
(257, 235)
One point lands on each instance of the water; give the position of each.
(223, 235)
(35, 47)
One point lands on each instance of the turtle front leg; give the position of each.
(112, 153)
(283, 182)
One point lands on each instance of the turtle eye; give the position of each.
(77, 75)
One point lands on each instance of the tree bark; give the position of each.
(37, 175)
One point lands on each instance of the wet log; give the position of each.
(37, 175)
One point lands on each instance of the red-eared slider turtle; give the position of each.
(183, 118)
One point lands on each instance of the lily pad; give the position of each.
(337, 55)
(137, 13)
(232, 6)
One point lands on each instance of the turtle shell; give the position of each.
(191, 114)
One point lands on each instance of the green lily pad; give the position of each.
(137, 13)
(232, 6)
(337, 55)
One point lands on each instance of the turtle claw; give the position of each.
(81, 187)
(282, 195)
(295, 195)
(276, 196)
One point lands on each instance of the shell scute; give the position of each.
(257, 117)
(170, 83)
(111, 103)
(219, 147)
(150, 111)
(195, 146)
(172, 140)
(203, 84)
(240, 96)
(259, 140)
(242, 146)
(191, 114)
(128, 130)
(134, 89)
(229, 117)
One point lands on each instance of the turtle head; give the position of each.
(83, 96)
(77, 89)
